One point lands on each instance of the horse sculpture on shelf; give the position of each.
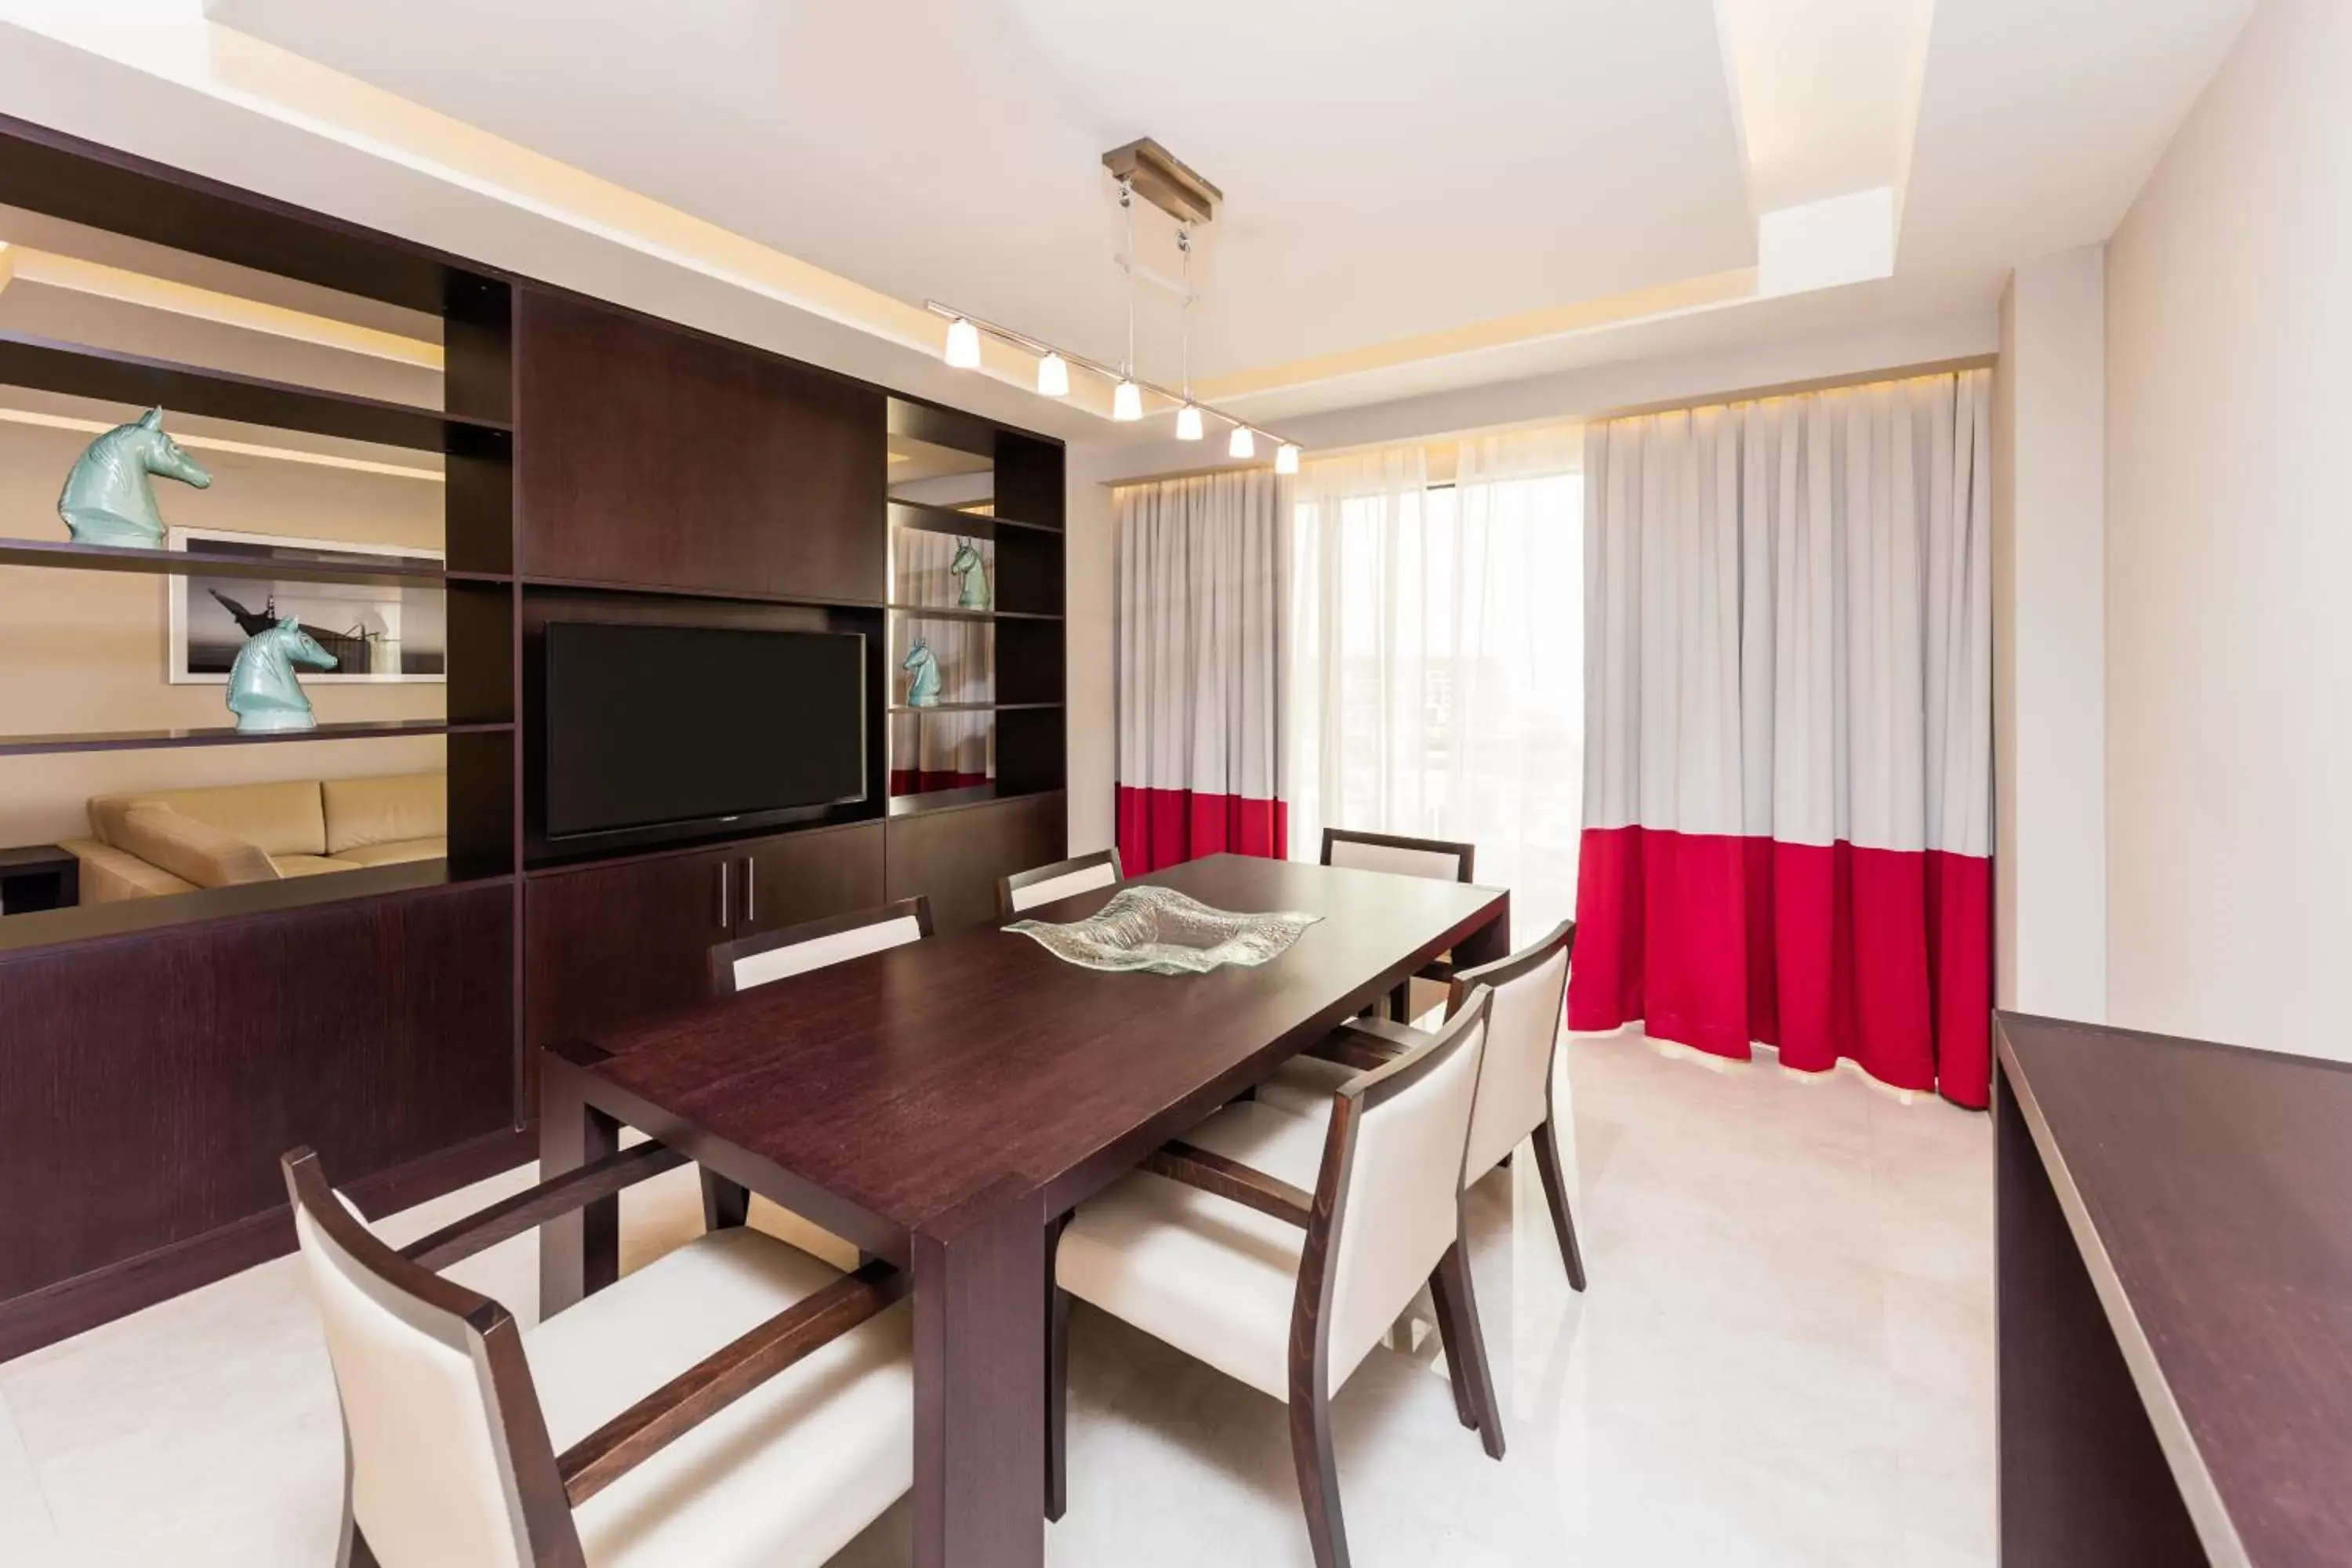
(106, 498)
(972, 575)
(923, 691)
(262, 690)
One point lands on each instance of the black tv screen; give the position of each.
(652, 726)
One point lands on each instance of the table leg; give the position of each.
(979, 1381)
(1489, 943)
(2083, 1481)
(579, 1253)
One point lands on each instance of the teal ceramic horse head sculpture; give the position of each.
(262, 690)
(106, 498)
(923, 691)
(972, 575)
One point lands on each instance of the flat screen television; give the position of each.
(651, 727)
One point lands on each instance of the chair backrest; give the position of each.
(1391, 1184)
(1432, 857)
(1523, 1023)
(1064, 878)
(448, 1454)
(751, 961)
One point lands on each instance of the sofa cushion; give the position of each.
(309, 864)
(276, 818)
(392, 808)
(394, 854)
(191, 849)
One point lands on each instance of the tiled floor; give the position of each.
(1785, 1358)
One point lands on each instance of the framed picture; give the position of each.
(377, 634)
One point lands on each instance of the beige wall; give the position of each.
(2229, 554)
(86, 650)
(2049, 675)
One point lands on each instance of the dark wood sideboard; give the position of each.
(157, 1055)
(2175, 1301)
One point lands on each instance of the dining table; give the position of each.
(942, 1104)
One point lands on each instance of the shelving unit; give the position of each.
(67, 556)
(227, 735)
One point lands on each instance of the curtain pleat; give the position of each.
(1198, 642)
(1788, 784)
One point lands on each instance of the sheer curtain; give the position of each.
(1437, 657)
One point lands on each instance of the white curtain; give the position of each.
(1437, 657)
(1199, 645)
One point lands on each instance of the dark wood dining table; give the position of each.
(941, 1103)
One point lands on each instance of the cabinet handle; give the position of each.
(750, 888)
(723, 869)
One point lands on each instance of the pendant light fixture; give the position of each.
(1142, 168)
(963, 345)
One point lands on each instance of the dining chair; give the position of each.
(1436, 858)
(1024, 890)
(751, 961)
(733, 1403)
(1280, 1251)
(1516, 1100)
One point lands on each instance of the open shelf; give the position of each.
(948, 519)
(959, 799)
(226, 735)
(116, 377)
(222, 563)
(952, 613)
(968, 707)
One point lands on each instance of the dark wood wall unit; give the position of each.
(1029, 571)
(615, 940)
(148, 1081)
(954, 854)
(1029, 478)
(1032, 751)
(1031, 662)
(662, 459)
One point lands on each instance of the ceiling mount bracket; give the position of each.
(1160, 179)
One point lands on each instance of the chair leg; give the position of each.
(1319, 1478)
(1465, 1410)
(1563, 1225)
(725, 1204)
(1400, 1002)
(1058, 1383)
(1466, 1346)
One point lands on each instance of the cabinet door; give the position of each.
(806, 876)
(608, 943)
(663, 459)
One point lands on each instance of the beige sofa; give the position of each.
(172, 841)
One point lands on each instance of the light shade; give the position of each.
(963, 345)
(1188, 422)
(1243, 444)
(1285, 458)
(1054, 376)
(1126, 401)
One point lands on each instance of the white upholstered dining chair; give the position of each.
(1438, 860)
(734, 1402)
(1280, 1251)
(1516, 1100)
(770, 956)
(1024, 890)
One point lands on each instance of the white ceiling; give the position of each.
(1390, 170)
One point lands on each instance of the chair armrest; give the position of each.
(1212, 1172)
(1366, 1044)
(703, 1390)
(549, 1200)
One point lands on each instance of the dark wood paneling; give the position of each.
(1029, 478)
(2212, 1182)
(2083, 1482)
(657, 457)
(1032, 751)
(148, 1085)
(954, 858)
(1030, 663)
(1029, 571)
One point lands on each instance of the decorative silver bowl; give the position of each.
(1161, 931)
